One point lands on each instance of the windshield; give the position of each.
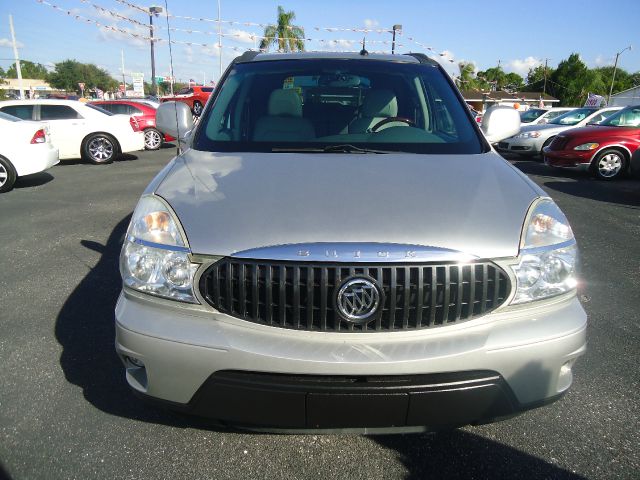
(319, 103)
(628, 117)
(531, 114)
(573, 117)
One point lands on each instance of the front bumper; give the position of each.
(580, 160)
(217, 366)
(521, 146)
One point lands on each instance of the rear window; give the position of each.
(23, 112)
(9, 118)
(207, 89)
(98, 109)
(319, 103)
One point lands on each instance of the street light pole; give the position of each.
(153, 10)
(615, 66)
(393, 42)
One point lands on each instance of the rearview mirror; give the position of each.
(174, 119)
(499, 123)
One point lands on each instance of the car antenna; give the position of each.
(364, 52)
(175, 105)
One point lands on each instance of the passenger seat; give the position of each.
(284, 121)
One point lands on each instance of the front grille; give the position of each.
(558, 143)
(301, 296)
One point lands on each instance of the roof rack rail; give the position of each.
(422, 58)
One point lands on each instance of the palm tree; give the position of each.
(288, 37)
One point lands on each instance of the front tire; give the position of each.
(152, 139)
(100, 148)
(197, 108)
(8, 175)
(609, 164)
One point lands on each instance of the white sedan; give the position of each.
(81, 130)
(25, 148)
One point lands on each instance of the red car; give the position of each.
(605, 149)
(196, 97)
(144, 113)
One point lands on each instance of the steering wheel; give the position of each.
(381, 123)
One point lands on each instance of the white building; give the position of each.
(630, 96)
(39, 87)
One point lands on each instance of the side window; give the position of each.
(185, 91)
(24, 112)
(135, 110)
(106, 106)
(57, 112)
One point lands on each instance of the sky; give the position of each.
(518, 35)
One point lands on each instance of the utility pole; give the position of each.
(153, 11)
(615, 66)
(219, 44)
(544, 87)
(124, 83)
(393, 42)
(15, 54)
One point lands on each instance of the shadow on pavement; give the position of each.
(85, 330)
(460, 454)
(35, 180)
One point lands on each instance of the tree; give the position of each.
(69, 73)
(494, 76)
(2, 73)
(468, 80)
(288, 37)
(572, 81)
(28, 70)
(513, 82)
(623, 79)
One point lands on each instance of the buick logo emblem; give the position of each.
(358, 300)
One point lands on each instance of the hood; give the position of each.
(228, 203)
(602, 132)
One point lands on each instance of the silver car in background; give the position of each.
(533, 138)
(338, 247)
(540, 116)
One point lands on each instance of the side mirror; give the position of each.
(499, 123)
(174, 119)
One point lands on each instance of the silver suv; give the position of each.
(338, 247)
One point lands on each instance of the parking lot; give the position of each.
(66, 411)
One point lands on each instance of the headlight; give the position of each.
(548, 255)
(534, 134)
(155, 255)
(587, 146)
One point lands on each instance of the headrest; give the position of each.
(285, 103)
(380, 103)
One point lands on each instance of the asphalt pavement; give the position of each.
(66, 411)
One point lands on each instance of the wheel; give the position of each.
(197, 108)
(545, 144)
(100, 148)
(609, 164)
(8, 175)
(152, 139)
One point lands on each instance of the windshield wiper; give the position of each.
(348, 148)
(342, 148)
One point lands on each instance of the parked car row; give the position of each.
(599, 140)
(37, 134)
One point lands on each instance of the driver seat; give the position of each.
(376, 106)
